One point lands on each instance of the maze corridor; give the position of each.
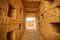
(45, 26)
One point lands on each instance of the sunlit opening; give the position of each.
(30, 23)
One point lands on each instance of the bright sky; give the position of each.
(30, 19)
